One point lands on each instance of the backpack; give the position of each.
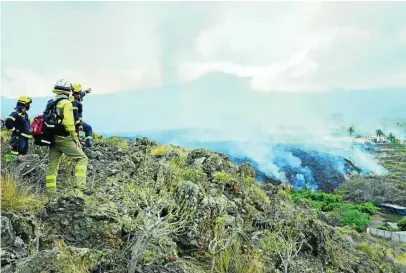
(44, 127)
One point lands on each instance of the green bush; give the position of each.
(111, 141)
(355, 219)
(368, 207)
(193, 175)
(222, 177)
(354, 215)
(365, 248)
(261, 194)
(382, 227)
(402, 224)
(330, 202)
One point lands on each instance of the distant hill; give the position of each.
(218, 101)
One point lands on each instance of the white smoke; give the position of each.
(268, 149)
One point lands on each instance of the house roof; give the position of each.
(392, 206)
(392, 225)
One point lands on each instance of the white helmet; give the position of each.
(63, 85)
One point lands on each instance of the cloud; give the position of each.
(402, 35)
(277, 46)
(273, 77)
(110, 47)
(102, 80)
(297, 47)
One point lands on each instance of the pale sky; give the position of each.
(125, 46)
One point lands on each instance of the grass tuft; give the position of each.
(17, 197)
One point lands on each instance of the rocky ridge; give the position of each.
(166, 209)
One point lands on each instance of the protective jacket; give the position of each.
(19, 123)
(78, 109)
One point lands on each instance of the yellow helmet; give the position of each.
(77, 87)
(24, 99)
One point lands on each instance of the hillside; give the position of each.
(390, 188)
(305, 164)
(160, 208)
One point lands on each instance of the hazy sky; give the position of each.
(118, 46)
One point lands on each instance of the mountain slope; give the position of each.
(164, 209)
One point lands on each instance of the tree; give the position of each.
(351, 130)
(393, 139)
(379, 133)
(402, 224)
(354, 218)
(284, 240)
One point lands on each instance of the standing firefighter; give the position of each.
(65, 141)
(19, 123)
(78, 94)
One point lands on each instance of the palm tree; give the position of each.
(393, 139)
(351, 130)
(379, 133)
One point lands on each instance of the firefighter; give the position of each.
(77, 98)
(66, 142)
(19, 123)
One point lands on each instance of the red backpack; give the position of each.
(43, 126)
(38, 132)
(36, 126)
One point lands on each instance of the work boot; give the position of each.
(82, 189)
(89, 143)
(88, 192)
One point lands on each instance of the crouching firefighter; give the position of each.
(65, 140)
(77, 98)
(19, 123)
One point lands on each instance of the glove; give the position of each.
(89, 90)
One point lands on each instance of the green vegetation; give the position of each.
(234, 258)
(163, 150)
(260, 193)
(70, 261)
(222, 177)
(160, 150)
(402, 224)
(330, 202)
(393, 139)
(351, 130)
(379, 133)
(5, 138)
(193, 175)
(354, 215)
(382, 227)
(62, 259)
(111, 141)
(365, 248)
(355, 219)
(179, 172)
(246, 181)
(401, 259)
(17, 196)
(145, 216)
